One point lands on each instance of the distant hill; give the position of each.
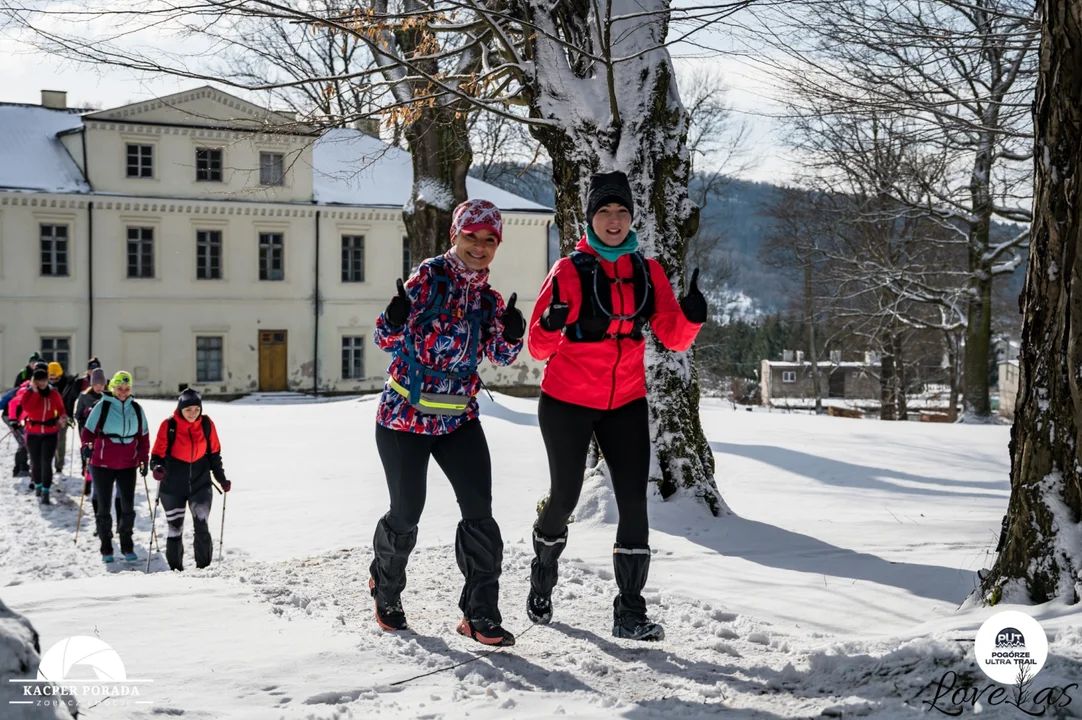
(742, 215)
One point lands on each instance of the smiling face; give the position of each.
(40, 384)
(190, 413)
(122, 392)
(476, 249)
(612, 223)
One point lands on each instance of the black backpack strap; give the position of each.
(206, 432)
(170, 437)
(102, 415)
(138, 419)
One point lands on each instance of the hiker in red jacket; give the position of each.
(588, 325)
(41, 411)
(185, 454)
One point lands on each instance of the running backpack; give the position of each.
(102, 417)
(171, 435)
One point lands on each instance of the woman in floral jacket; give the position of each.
(443, 322)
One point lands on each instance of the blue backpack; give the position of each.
(437, 306)
(7, 398)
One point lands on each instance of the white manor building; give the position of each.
(200, 240)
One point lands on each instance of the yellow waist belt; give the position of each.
(434, 403)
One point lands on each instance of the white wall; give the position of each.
(149, 326)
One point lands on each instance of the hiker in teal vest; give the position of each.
(120, 436)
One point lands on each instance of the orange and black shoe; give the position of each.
(389, 617)
(486, 632)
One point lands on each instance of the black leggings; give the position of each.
(41, 449)
(623, 434)
(175, 510)
(103, 486)
(463, 457)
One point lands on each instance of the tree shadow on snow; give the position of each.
(491, 408)
(776, 547)
(830, 471)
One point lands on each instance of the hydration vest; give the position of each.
(438, 307)
(596, 313)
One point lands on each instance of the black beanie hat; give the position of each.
(608, 188)
(40, 373)
(188, 398)
(93, 363)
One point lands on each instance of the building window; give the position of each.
(208, 254)
(271, 260)
(353, 357)
(140, 161)
(140, 252)
(208, 359)
(56, 349)
(407, 258)
(788, 376)
(54, 250)
(271, 168)
(352, 258)
(208, 164)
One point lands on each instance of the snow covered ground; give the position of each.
(835, 588)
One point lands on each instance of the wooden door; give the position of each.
(272, 360)
(837, 383)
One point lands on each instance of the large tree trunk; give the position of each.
(900, 379)
(1039, 555)
(978, 404)
(628, 117)
(952, 374)
(440, 149)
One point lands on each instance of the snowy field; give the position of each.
(836, 588)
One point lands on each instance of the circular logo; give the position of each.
(1011, 647)
(59, 662)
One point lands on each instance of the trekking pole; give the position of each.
(71, 449)
(79, 521)
(153, 516)
(153, 530)
(221, 533)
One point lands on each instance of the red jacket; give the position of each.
(610, 373)
(41, 414)
(189, 444)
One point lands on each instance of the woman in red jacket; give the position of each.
(185, 454)
(41, 410)
(588, 325)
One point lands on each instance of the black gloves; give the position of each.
(514, 325)
(694, 304)
(398, 311)
(555, 316)
(226, 485)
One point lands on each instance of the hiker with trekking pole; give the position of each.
(186, 454)
(120, 439)
(444, 320)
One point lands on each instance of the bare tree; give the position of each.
(1038, 554)
(599, 90)
(960, 72)
(797, 247)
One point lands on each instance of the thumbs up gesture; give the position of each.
(514, 325)
(398, 311)
(555, 316)
(693, 303)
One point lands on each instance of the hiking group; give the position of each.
(113, 436)
(587, 326)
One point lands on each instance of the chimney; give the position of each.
(835, 356)
(55, 99)
(368, 125)
(800, 356)
(787, 355)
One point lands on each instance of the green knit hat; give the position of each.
(123, 377)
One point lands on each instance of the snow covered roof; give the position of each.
(32, 158)
(351, 168)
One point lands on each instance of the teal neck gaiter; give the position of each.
(612, 254)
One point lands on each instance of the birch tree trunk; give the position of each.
(627, 116)
(1039, 553)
